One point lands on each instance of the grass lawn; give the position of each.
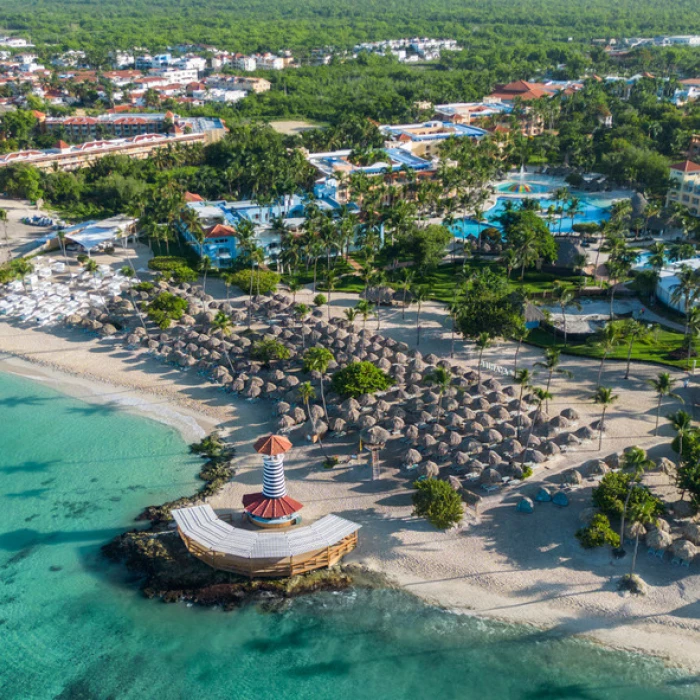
(447, 278)
(657, 350)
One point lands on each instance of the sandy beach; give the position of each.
(501, 563)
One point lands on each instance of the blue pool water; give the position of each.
(73, 475)
(590, 212)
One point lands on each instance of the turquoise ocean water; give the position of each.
(72, 475)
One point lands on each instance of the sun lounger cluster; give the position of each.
(43, 300)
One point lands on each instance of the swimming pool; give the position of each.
(591, 211)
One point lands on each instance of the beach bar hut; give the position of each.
(272, 508)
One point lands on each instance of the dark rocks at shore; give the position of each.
(215, 473)
(169, 572)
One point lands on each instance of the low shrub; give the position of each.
(165, 263)
(598, 533)
(264, 280)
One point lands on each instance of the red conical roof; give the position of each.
(272, 445)
(261, 506)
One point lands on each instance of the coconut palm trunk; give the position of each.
(624, 517)
(600, 429)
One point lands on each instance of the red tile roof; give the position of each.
(272, 445)
(191, 197)
(220, 231)
(687, 167)
(270, 508)
(521, 89)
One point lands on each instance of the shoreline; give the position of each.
(191, 424)
(616, 625)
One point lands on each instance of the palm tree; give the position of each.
(441, 379)
(605, 398)
(227, 278)
(222, 322)
(317, 360)
(663, 386)
(523, 378)
(331, 283)
(692, 327)
(420, 294)
(637, 462)
(302, 311)
(405, 285)
(541, 395)
(454, 308)
(682, 423)
(3, 218)
(365, 308)
(204, 266)
(642, 513)
(606, 340)
(565, 297)
(552, 360)
(256, 257)
(519, 335)
(306, 392)
(294, 286)
(91, 266)
(351, 315)
(686, 291)
(633, 332)
(482, 342)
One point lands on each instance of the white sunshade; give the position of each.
(201, 524)
(92, 236)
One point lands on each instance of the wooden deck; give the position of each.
(273, 568)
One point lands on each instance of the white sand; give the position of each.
(504, 564)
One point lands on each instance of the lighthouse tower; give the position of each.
(272, 508)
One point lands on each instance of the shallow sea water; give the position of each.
(73, 475)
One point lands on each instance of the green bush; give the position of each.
(165, 308)
(360, 378)
(266, 351)
(166, 263)
(609, 497)
(320, 299)
(438, 502)
(264, 280)
(144, 287)
(598, 533)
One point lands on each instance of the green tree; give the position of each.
(360, 378)
(605, 398)
(438, 502)
(598, 533)
(317, 360)
(441, 379)
(268, 350)
(663, 386)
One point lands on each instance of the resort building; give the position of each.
(66, 157)
(220, 221)
(424, 140)
(684, 187)
(120, 124)
(668, 282)
(471, 112)
(521, 90)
